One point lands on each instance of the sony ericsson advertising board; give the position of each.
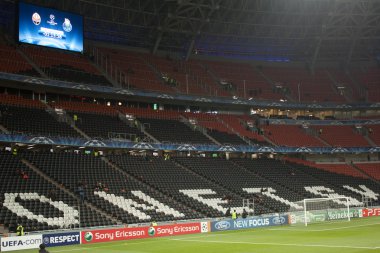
(252, 222)
(50, 28)
(61, 239)
(118, 234)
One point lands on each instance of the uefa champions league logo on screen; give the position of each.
(51, 21)
(67, 27)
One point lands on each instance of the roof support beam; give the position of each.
(157, 43)
(190, 49)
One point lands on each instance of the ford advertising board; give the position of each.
(251, 222)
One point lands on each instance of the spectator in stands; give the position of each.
(52, 195)
(24, 175)
(42, 249)
(244, 214)
(234, 215)
(19, 230)
(80, 191)
(228, 212)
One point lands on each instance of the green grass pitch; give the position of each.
(358, 235)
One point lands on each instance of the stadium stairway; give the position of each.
(31, 62)
(101, 70)
(65, 118)
(66, 190)
(198, 128)
(364, 169)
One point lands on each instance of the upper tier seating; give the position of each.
(85, 107)
(344, 169)
(30, 191)
(236, 122)
(312, 88)
(101, 121)
(107, 127)
(173, 131)
(244, 78)
(341, 136)
(33, 121)
(291, 136)
(138, 74)
(370, 79)
(372, 169)
(66, 66)
(352, 90)
(149, 113)
(374, 133)
(12, 62)
(215, 128)
(226, 138)
(20, 101)
(171, 68)
(200, 71)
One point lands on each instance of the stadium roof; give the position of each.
(273, 30)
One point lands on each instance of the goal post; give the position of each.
(316, 210)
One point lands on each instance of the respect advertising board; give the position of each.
(368, 212)
(20, 242)
(61, 239)
(252, 222)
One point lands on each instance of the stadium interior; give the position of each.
(181, 109)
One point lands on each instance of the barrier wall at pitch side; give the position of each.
(109, 235)
(20, 242)
(368, 212)
(251, 222)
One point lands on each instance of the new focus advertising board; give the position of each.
(251, 222)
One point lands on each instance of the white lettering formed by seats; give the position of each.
(158, 206)
(132, 207)
(363, 191)
(70, 215)
(326, 192)
(212, 202)
(270, 193)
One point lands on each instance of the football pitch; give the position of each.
(358, 235)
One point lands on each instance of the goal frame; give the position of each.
(316, 199)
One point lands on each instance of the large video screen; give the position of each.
(50, 28)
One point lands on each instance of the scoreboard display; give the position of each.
(50, 27)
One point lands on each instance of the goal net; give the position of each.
(320, 210)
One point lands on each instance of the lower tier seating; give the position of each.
(28, 198)
(52, 190)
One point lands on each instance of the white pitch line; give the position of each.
(103, 246)
(321, 230)
(280, 244)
